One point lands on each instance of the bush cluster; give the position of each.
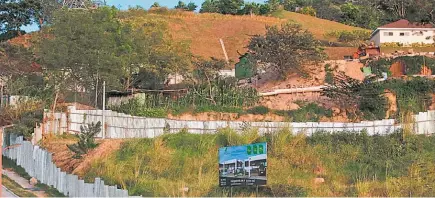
(350, 36)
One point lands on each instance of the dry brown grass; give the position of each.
(204, 30)
(63, 157)
(338, 53)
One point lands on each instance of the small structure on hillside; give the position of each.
(404, 33)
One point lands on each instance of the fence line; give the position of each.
(120, 125)
(38, 163)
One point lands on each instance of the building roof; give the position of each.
(403, 23)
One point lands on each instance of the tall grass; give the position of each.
(351, 163)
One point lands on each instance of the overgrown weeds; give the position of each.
(351, 164)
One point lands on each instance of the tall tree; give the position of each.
(423, 11)
(398, 8)
(46, 11)
(17, 13)
(230, 6)
(191, 6)
(85, 47)
(181, 5)
(273, 4)
(222, 6)
(286, 49)
(250, 8)
(81, 49)
(210, 6)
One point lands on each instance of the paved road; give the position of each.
(6, 193)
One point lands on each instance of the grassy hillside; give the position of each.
(351, 164)
(204, 30)
(315, 25)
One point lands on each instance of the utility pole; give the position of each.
(104, 109)
(96, 93)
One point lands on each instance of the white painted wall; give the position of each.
(409, 36)
(376, 39)
(227, 73)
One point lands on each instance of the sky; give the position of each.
(125, 4)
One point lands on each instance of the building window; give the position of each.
(388, 34)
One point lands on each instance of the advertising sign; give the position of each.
(244, 165)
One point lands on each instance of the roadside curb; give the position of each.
(9, 191)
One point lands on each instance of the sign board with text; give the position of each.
(244, 165)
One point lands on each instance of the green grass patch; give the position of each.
(16, 188)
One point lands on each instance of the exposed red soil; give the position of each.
(63, 157)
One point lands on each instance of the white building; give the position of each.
(404, 32)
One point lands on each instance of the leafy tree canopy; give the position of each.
(222, 6)
(285, 48)
(189, 7)
(17, 13)
(103, 45)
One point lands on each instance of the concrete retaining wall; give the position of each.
(119, 125)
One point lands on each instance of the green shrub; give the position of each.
(349, 36)
(258, 110)
(329, 77)
(86, 139)
(310, 112)
(308, 10)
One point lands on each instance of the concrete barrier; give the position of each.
(38, 164)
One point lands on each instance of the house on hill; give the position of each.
(404, 32)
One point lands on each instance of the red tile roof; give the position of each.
(403, 23)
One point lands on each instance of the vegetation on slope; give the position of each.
(351, 163)
(366, 99)
(203, 31)
(15, 188)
